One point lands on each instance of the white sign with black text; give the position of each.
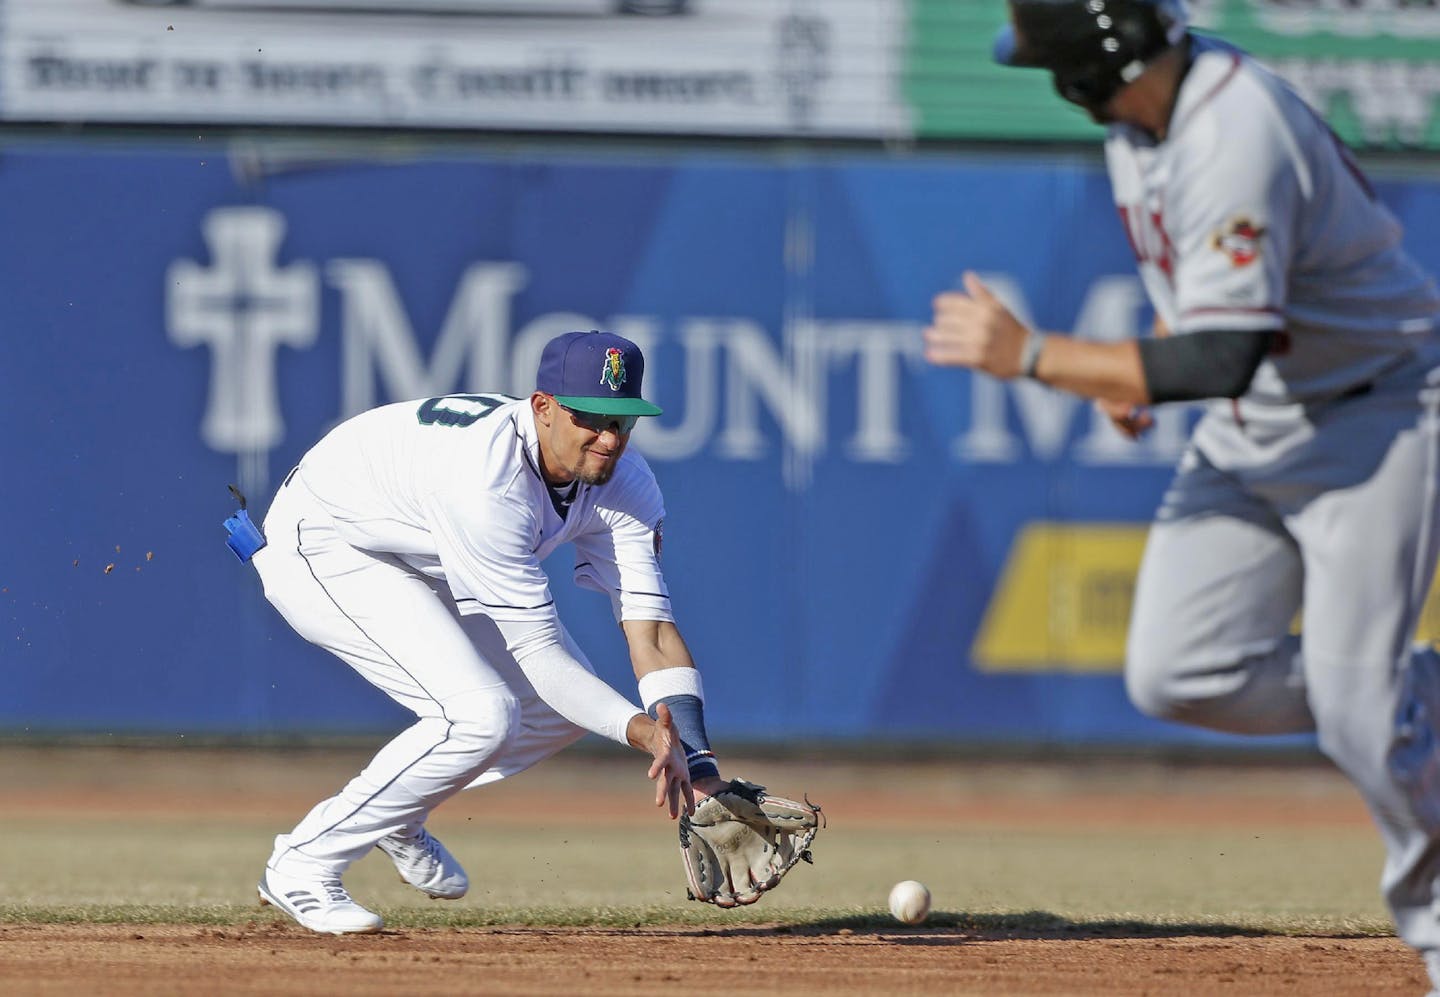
(739, 67)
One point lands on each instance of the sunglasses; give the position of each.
(598, 422)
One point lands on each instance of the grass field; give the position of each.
(1096, 849)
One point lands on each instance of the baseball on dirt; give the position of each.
(910, 901)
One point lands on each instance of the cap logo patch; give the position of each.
(1239, 239)
(612, 374)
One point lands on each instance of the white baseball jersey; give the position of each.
(1250, 214)
(452, 487)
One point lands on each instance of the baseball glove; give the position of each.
(742, 841)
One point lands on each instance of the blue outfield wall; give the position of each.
(840, 517)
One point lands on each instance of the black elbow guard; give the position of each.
(1214, 363)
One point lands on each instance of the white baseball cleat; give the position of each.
(320, 904)
(425, 864)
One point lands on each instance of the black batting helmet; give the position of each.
(1091, 47)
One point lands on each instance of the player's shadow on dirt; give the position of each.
(947, 928)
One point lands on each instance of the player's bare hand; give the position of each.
(669, 770)
(973, 329)
(1133, 421)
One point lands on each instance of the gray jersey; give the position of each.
(1250, 214)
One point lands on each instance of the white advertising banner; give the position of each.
(747, 67)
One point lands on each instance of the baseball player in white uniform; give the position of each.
(408, 542)
(1310, 482)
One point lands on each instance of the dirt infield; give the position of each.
(275, 958)
(1087, 878)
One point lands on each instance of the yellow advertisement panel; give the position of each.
(1063, 600)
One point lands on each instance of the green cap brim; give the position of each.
(609, 406)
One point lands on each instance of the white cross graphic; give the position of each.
(243, 306)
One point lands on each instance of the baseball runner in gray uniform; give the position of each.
(1309, 484)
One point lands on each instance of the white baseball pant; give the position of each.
(479, 719)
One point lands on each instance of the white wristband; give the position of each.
(655, 686)
(1030, 352)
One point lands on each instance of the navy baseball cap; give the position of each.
(594, 372)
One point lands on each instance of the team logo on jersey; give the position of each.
(612, 375)
(658, 537)
(1239, 239)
